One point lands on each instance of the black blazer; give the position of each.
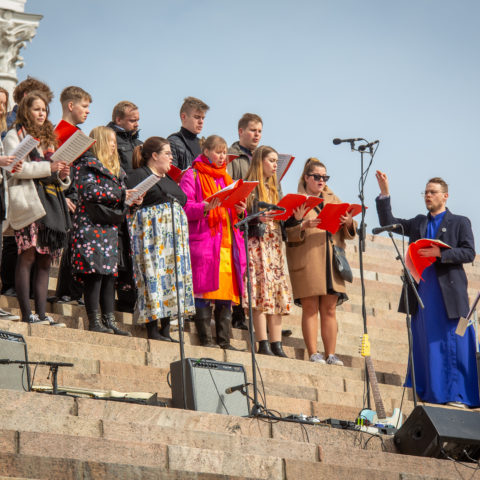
(456, 231)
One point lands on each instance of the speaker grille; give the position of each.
(13, 376)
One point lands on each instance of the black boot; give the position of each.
(203, 317)
(108, 320)
(153, 333)
(95, 323)
(277, 349)
(165, 329)
(238, 318)
(264, 348)
(223, 326)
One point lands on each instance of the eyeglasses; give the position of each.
(430, 192)
(318, 177)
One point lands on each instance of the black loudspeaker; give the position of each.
(441, 432)
(206, 381)
(14, 376)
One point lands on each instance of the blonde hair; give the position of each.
(214, 142)
(101, 149)
(3, 115)
(264, 191)
(310, 165)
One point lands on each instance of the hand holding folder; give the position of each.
(331, 214)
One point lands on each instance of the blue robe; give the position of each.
(445, 365)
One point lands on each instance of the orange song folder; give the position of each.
(417, 264)
(291, 201)
(236, 192)
(331, 213)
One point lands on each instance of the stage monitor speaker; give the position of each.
(206, 381)
(13, 376)
(441, 432)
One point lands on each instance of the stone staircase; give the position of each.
(62, 437)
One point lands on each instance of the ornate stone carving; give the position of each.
(16, 29)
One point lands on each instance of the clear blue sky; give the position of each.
(404, 72)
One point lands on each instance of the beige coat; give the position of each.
(24, 206)
(306, 255)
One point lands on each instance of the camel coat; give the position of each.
(307, 255)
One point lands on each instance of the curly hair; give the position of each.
(43, 132)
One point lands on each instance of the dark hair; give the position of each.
(45, 132)
(191, 104)
(121, 108)
(143, 153)
(247, 118)
(29, 85)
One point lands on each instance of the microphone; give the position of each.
(362, 148)
(236, 388)
(386, 228)
(338, 141)
(270, 206)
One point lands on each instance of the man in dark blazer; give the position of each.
(441, 356)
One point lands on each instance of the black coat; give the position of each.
(126, 143)
(184, 151)
(95, 246)
(455, 231)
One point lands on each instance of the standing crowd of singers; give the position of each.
(115, 243)
(126, 248)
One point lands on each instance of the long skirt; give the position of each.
(445, 366)
(154, 263)
(270, 287)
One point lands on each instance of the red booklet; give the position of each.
(331, 213)
(236, 192)
(63, 131)
(284, 162)
(231, 157)
(291, 201)
(417, 264)
(175, 173)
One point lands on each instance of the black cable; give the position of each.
(218, 393)
(445, 454)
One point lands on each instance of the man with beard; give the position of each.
(445, 366)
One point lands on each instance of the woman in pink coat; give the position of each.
(216, 248)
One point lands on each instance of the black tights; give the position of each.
(24, 266)
(99, 290)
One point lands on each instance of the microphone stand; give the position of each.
(53, 368)
(408, 280)
(179, 313)
(361, 231)
(243, 227)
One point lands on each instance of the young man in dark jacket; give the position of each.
(185, 144)
(125, 118)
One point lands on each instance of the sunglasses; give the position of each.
(317, 177)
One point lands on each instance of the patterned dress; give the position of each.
(155, 266)
(270, 289)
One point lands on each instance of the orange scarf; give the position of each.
(207, 172)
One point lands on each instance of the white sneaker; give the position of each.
(334, 360)
(4, 315)
(317, 358)
(53, 323)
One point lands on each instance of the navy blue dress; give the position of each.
(445, 366)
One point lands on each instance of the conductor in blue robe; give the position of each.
(445, 364)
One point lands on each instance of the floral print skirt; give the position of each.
(154, 263)
(27, 237)
(270, 287)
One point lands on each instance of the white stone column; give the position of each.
(16, 29)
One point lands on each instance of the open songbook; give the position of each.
(331, 213)
(236, 192)
(143, 187)
(284, 162)
(417, 264)
(291, 201)
(22, 150)
(72, 142)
